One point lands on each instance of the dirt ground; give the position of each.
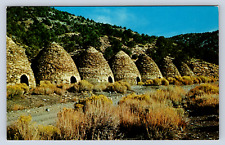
(204, 127)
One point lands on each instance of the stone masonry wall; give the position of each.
(93, 67)
(56, 65)
(18, 64)
(148, 68)
(124, 69)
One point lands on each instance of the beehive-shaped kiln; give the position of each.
(18, 66)
(185, 70)
(93, 67)
(168, 69)
(55, 65)
(148, 68)
(124, 69)
(200, 68)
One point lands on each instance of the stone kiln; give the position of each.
(204, 68)
(124, 69)
(55, 65)
(185, 70)
(168, 69)
(93, 67)
(18, 66)
(148, 68)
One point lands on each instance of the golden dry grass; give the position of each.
(22, 129)
(172, 94)
(46, 88)
(85, 86)
(17, 107)
(17, 91)
(120, 87)
(157, 82)
(97, 121)
(25, 129)
(204, 89)
(203, 99)
(148, 115)
(145, 114)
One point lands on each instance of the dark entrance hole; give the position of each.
(73, 80)
(24, 79)
(138, 80)
(110, 79)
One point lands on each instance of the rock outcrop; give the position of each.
(55, 65)
(18, 66)
(124, 69)
(93, 67)
(148, 68)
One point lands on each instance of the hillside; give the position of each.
(34, 28)
(200, 45)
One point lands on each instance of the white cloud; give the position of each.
(118, 16)
(103, 19)
(121, 16)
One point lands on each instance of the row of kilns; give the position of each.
(56, 65)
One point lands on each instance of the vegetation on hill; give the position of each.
(203, 46)
(186, 46)
(36, 27)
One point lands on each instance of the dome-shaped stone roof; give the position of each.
(18, 66)
(55, 65)
(185, 70)
(168, 68)
(124, 69)
(204, 68)
(93, 67)
(148, 68)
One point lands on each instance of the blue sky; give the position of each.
(154, 20)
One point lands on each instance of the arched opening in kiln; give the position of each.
(73, 80)
(110, 80)
(24, 79)
(138, 79)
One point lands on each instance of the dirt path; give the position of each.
(43, 115)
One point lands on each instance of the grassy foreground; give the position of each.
(157, 115)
